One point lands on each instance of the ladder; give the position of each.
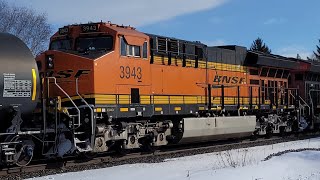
(8, 153)
(303, 106)
(55, 131)
(86, 144)
(50, 135)
(82, 145)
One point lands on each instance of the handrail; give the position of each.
(305, 104)
(309, 108)
(311, 100)
(91, 109)
(292, 95)
(174, 52)
(312, 106)
(65, 93)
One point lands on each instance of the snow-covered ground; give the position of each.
(242, 164)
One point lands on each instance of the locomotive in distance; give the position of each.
(102, 87)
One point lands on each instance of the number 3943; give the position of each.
(130, 72)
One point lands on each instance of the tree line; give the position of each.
(25, 23)
(260, 46)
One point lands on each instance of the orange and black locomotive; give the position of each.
(102, 86)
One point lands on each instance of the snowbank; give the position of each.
(239, 164)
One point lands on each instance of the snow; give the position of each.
(246, 164)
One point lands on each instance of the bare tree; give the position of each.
(25, 23)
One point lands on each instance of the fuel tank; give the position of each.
(19, 78)
(217, 128)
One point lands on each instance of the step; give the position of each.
(8, 149)
(9, 143)
(78, 133)
(9, 153)
(50, 130)
(77, 141)
(88, 149)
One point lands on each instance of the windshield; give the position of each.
(62, 44)
(94, 43)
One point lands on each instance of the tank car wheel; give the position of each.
(23, 151)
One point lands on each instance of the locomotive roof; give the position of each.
(308, 65)
(230, 54)
(127, 30)
(255, 58)
(315, 67)
(172, 38)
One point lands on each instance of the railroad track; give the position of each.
(110, 159)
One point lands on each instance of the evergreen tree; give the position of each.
(259, 45)
(312, 57)
(317, 53)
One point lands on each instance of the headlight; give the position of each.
(50, 63)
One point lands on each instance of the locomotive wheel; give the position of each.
(269, 131)
(148, 148)
(254, 137)
(119, 148)
(283, 132)
(89, 155)
(24, 150)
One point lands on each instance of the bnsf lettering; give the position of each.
(81, 72)
(228, 80)
(68, 73)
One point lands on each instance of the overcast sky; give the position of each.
(288, 27)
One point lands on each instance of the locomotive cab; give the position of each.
(82, 69)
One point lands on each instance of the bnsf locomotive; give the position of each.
(103, 87)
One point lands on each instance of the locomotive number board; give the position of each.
(64, 30)
(89, 28)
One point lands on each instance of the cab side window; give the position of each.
(145, 50)
(129, 50)
(123, 46)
